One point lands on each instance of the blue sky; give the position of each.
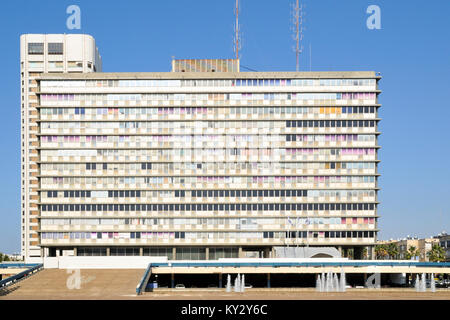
(411, 51)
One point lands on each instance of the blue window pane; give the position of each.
(288, 82)
(344, 109)
(277, 82)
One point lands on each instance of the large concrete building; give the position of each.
(202, 162)
(39, 53)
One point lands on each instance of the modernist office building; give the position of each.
(205, 161)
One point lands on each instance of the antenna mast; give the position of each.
(297, 15)
(237, 35)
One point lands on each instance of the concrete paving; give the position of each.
(300, 294)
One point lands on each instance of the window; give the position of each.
(35, 48)
(55, 64)
(35, 64)
(75, 64)
(55, 48)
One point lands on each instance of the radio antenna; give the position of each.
(297, 28)
(237, 31)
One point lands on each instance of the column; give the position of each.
(141, 251)
(340, 250)
(207, 253)
(75, 251)
(240, 255)
(174, 253)
(108, 251)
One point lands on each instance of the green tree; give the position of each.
(4, 257)
(436, 254)
(381, 251)
(392, 250)
(412, 252)
(365, 253)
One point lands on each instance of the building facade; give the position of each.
(423, 246)
(444, 242)
(204, 165)
(39, 53)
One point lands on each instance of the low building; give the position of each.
(444, 242)
(422, 245)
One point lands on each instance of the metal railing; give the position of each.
(143, 283)
(18, 265)
(20, 276)
(303, 264)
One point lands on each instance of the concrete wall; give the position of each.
(137, 262)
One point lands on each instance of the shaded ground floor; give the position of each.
(282, 280)
(356, 252)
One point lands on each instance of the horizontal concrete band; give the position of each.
(211, 75)
(303, 270)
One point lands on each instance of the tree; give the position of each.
(381, 251)
(365, 253)
(351, 253)
(392, 250)
(436, 254)
(4, 257)
(412, 252)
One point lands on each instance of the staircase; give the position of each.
(62, 284)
